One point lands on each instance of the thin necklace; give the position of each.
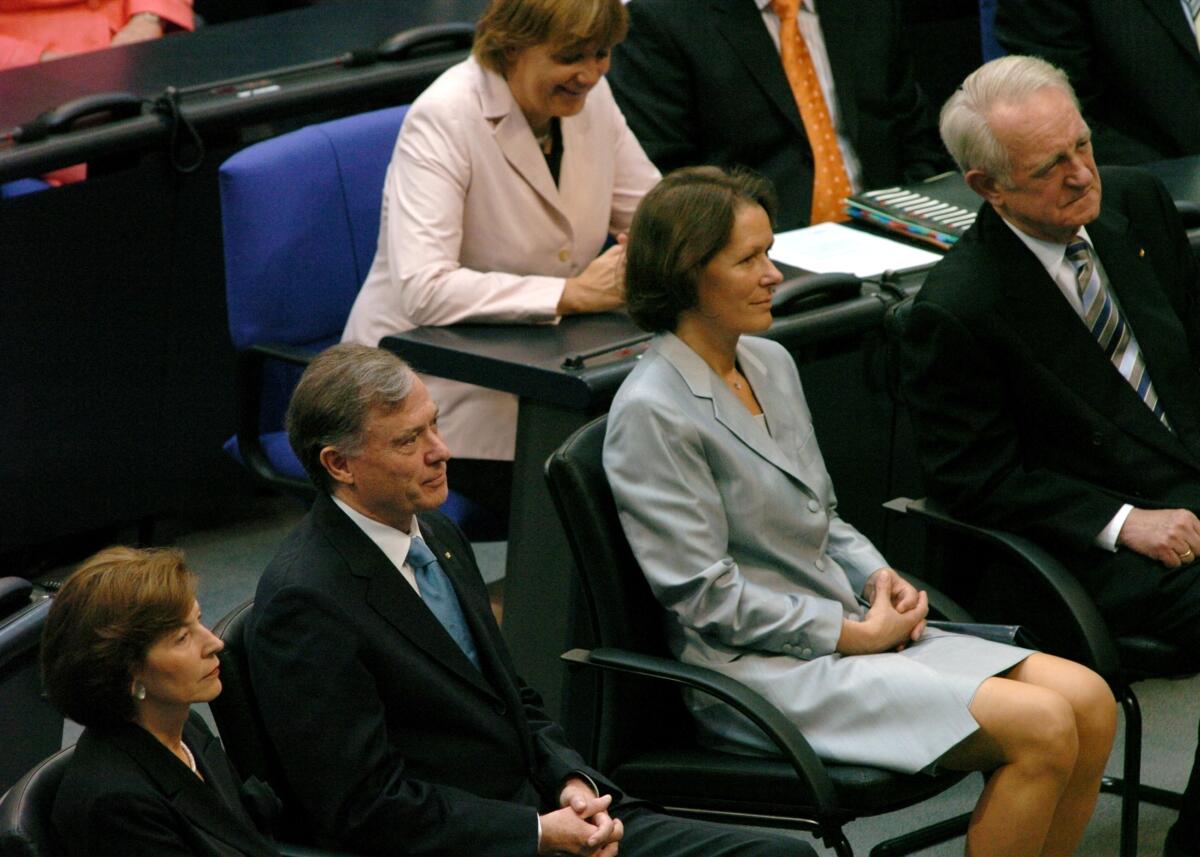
(191, 760)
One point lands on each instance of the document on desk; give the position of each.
(830, 247)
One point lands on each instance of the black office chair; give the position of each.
(25, 829)
(644, 737)
(1015, 580)
(24, 710)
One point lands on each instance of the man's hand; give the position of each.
(1171, 536)
(885, 627)
(583, 826)
(142, 27)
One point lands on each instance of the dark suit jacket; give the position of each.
(1134, 65)
(701, 82)
(124, 793)
(388, 735)
(1021, 421)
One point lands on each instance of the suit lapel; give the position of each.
(390, 595)
(740, 23)
(200, 803)
(728, 409)
(1170, 13)
(516, 141)
(488, 644)
(1039, 314)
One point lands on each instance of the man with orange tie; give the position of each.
(819, 98)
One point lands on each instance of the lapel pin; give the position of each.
(1141, 252)
(448, 555)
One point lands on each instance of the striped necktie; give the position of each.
(831, 182)
(1104, 320)
(1193, 7)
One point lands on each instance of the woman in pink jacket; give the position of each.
(36, 30)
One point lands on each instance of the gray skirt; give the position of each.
(896, 710)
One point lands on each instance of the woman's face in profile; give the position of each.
(734, 290)
(554, 82)
(182, 667)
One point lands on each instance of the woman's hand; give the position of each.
(142, 27)
(897, 616)
(600, 286)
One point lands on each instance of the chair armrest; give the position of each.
(792, 744)
(22, 631)
(250, 364)
(1090, 631)
(288, 849)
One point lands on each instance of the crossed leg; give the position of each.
(1045, 731)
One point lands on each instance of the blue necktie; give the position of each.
(438, 595)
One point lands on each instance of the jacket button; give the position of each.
(806, 652)
(814, 506)
(1097, 439)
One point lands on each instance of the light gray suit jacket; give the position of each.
(737, 532)
(736, 529)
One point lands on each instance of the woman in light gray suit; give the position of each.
(725, 499)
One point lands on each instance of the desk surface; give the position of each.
(240, 49)
(532, 362)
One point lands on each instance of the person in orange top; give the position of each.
(36, 30)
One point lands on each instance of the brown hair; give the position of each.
(514, 25)
(678, 228)
(108, 614)
(337, 391)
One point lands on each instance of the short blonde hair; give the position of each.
(513, 25)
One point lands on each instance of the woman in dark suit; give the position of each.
(124, 654)
(729, 509)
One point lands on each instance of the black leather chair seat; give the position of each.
(1147, 657)
(25, 829)
(766, 786)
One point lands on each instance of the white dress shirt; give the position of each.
(394, 543)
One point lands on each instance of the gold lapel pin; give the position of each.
(449, 555)
(1141, 252)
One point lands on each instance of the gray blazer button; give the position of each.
(806, 652)
(814, 506)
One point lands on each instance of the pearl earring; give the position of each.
(139, 691)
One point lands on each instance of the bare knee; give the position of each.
(1095, 711)
(1048, 743)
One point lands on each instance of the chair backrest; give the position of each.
(24, 710)
(633, 714)
(241, 725)
(300, 220)
(25, 828)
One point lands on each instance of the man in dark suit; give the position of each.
(702, 82)
(1135, 66)
(1051, 360)
(382, 677)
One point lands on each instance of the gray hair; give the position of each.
(337, 391)
(964, 121)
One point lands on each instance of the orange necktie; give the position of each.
(831, 183)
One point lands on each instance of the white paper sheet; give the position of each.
(829, 247)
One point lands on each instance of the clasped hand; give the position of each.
(583, 826)
(896, 617)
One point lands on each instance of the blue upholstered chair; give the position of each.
(20, 187)
(300, 219)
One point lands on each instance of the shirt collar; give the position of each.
(393, 542)
(1050, 253)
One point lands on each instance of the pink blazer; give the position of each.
(28, 28)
